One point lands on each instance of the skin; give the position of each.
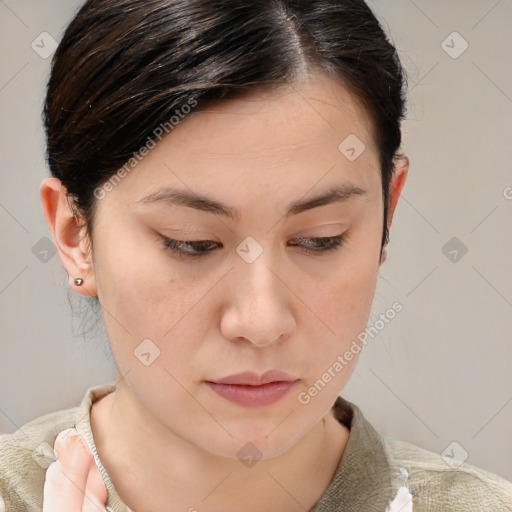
(163, 428)
(73, 482)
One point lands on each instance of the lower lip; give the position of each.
(253, 396)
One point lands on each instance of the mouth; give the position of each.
(252, 390)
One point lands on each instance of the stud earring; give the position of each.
(79, 281)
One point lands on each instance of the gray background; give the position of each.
(440, 371)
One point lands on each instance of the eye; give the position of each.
(200, 248)
(319, 245)
(189, 248)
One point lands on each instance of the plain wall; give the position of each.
(439, 372)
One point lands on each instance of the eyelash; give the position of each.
(328, 243)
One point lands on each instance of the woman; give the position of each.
(224, 177)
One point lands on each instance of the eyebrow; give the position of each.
(177, 197)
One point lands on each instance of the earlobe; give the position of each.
(66, 231)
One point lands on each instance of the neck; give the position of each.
(177, 472)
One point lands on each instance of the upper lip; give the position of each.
(253, 379)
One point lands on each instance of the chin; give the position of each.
(249, 447)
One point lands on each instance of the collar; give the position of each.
(83, 426)
(362, 481)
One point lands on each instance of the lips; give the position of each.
(249, 389)
(253, 379)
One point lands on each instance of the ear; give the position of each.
(68, 235)
(395, 188)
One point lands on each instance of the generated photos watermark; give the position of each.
(161, 130)
(344, 359)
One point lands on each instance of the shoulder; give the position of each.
(24, 457)
(439, 484)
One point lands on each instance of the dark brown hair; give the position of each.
(125, 67)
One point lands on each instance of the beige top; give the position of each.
(370, 473)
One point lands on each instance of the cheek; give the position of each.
(342, 305)
(135, 274)
(332, 345)
(344, 300)
(140, 292)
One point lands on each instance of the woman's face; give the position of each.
(255, 300)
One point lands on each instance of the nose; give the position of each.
(260, 309)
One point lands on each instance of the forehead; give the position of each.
(317, 110)
(269, 138)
